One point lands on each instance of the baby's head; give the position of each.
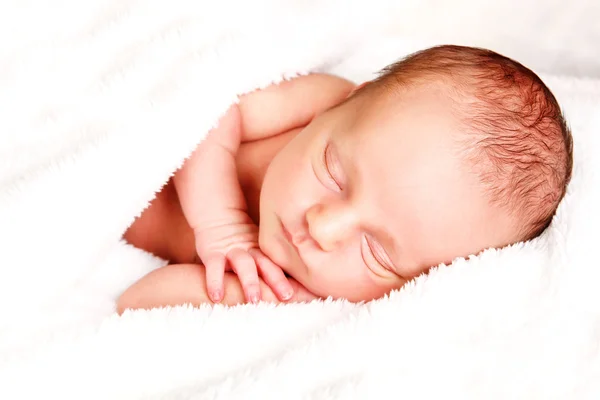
(448, 152)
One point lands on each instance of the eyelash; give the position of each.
(328, 170)
(372, 252)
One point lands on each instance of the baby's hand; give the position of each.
(232, 244)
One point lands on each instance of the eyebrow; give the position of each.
(388, 243)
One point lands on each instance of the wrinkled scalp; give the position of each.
(515, 136)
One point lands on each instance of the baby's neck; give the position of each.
(252, 161)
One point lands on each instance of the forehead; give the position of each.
(387, 134)
(410, 179)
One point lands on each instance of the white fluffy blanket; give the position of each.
(101, 101)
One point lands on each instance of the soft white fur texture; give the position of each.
(101, 101)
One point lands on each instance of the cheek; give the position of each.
(285, 170)
(342, 274)
(285, 194)
(289, 181)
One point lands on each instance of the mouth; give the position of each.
(287, 235)
(288, 238)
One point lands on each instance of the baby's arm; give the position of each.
(210, 194)
(214, 206)
(181, 284)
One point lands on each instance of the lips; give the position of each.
(287, 234)
(300, 238)
(288, 238)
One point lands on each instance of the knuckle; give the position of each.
(250, 282)
(257, 254)
(240, 256)
(244, 269)
(270, 271)
(252, 285)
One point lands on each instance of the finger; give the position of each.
(244, 266)
(273, 275)
(301, 294)
(215, 271)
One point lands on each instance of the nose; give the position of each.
(331, 225)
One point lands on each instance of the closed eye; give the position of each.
(377, 253)
(329, 166)
(372, 264)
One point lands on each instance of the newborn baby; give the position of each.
(316, 188)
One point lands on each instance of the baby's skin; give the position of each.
(305, 191)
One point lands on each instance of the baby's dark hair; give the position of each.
(516, 137)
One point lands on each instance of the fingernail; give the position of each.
(285, 291)
(217, 296)
(254, 297)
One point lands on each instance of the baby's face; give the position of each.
(373, 193)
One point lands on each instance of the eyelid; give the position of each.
(374, 253)
(326, 163)
(378, 269)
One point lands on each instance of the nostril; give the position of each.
(313, 228)
(315, 239)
